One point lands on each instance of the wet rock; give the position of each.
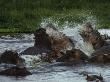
(11, 57)
(95, 78)
(15, 71)
(73, 55)
(101, 55)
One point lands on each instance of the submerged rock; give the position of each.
(11, 57)
(15, 71)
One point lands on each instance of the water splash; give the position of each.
(86, 47)
(73, 29)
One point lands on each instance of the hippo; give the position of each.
(92, 36)
(11, 57)
(15, 71)
(95, 78)
(51, 56)
(42, 43)
(96, 40)
(101, 55)
(49, 39)
(59, 40)
(73, 55)
(42, 39)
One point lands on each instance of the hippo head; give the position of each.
(92, 36)
(88, 27)
(42, 38)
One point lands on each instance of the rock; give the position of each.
(11, 57)
(15, 71)
(73, 55)
(101, 55)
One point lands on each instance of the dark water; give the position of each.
(55, 72)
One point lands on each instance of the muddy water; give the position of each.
(56, 72)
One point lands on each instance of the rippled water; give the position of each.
(14, 43)
(56, 72)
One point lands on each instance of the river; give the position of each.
(55, 72)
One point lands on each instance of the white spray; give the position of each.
(73, 30)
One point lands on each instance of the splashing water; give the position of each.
(73, 30)
(86, 47)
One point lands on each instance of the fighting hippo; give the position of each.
(94, 78)
(59, 40)
(51, 56)
(11, 57)
(42, 43)
(48, 39)
(92, 36)
(73, 55)
(15, 71)
(101, 55)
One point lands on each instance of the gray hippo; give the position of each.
(11, 57)
(16, 71)
(49, 39)
(42, 43)
(94, 78)
(101, 55)
(73, 55)
(92, 36)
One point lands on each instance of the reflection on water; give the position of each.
(56, 72)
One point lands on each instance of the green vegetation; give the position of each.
(26, 15)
